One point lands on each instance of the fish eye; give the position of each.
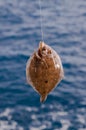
(39, 53)
(43, 49)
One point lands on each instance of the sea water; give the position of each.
(64, 28)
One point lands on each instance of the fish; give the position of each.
(44, 70)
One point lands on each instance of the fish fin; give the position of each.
(43, 98)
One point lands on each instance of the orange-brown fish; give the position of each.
(44, 70)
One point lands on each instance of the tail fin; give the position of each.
(43, 98)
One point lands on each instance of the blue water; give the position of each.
(64, 27)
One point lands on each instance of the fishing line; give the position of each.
(41, 21)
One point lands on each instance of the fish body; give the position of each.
(44, 70)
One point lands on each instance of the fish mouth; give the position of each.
(41, 45)
(42, 48)
(39, 53)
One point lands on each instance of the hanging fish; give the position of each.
(44, 70)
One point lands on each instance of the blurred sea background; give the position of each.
(64, 27)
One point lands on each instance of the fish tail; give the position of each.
(43, 98)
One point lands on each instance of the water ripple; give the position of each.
(64, 27)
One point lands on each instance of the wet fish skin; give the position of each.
(44, 70)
